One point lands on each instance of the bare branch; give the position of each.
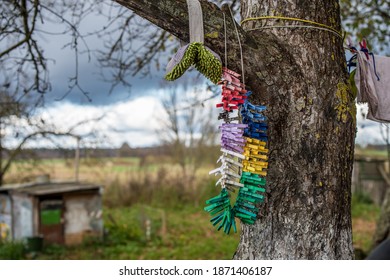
(172, 16)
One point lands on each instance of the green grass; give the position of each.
(189, 235)
(12, 250)
(364, 217)
(134, 168)
(364, 208)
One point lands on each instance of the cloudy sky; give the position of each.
(130, 115)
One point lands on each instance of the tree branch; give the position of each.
(45, 132)
(17, 150)
(172, 16)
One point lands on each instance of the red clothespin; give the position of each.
(227, 106)
(230, 79)
(363, 48)
(230, 72)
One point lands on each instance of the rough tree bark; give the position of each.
(300, 75)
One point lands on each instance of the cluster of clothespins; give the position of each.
(233, 91)
(255, 156)
(243, 135)
(252, 115)
(256, 159)
(243, 160)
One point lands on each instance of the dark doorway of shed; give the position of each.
(51, 224)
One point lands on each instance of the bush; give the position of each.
(362, 197)
(363, 207)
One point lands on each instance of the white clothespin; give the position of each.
(215, 171)
(221, 181)
(224, 158)
(233, 153)
(229, 182)
(233, 175)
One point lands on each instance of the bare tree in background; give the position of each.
(188, 130)
(19, 125)
(368, 19)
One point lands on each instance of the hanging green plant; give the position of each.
(183, 59)
(204, 59)
(195, 53)
(209, 64)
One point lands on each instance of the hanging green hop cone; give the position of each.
(205, 60)
(183, 59)
(209, 64)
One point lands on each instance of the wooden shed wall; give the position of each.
(83, 217)
(22, 216)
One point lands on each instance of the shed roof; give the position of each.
(47, 188)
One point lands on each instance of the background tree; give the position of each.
(188, 130)
(368, 19)
(19, 126)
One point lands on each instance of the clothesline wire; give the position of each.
(224, 25)
(317, 24)
(295, 26)
(239, 43)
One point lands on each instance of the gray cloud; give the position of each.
(62, 67)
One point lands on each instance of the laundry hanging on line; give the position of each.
(372, 81)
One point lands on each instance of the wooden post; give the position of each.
(77, 160)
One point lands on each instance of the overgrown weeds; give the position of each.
(166, 187)
(364, 217)
(12, 250)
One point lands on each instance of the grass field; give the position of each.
(382, 154)
(155, 192)
(364, 217)
(187, 235)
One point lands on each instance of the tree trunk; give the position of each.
(300, 74)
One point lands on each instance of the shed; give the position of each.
(60, 212)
